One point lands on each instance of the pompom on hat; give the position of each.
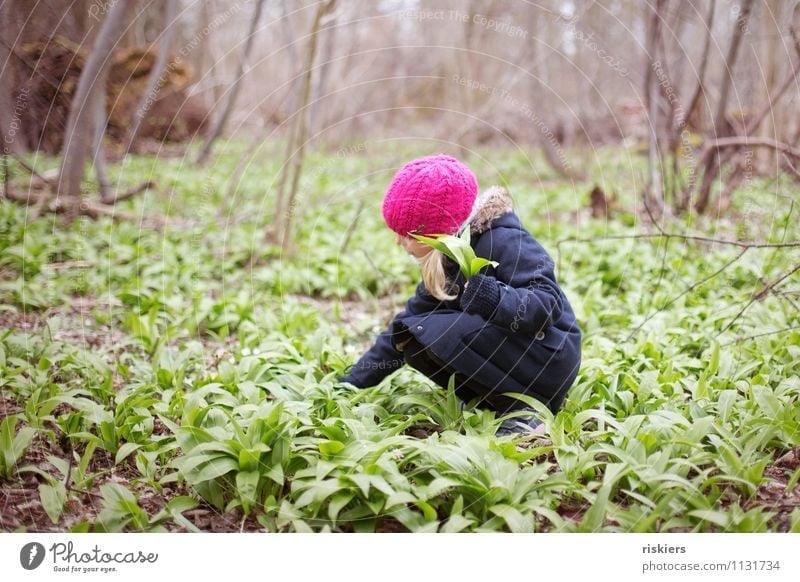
(431, 195)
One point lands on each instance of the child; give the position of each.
(510, 329)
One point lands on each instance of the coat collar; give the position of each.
(489, 206)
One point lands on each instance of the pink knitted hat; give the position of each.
(431, 195)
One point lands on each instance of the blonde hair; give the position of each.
(434, 277)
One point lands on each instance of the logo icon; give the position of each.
(31, 555)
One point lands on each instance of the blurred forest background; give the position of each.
(708, 88)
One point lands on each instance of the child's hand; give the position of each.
(481, 296)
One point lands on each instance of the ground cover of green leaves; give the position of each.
(184, 378)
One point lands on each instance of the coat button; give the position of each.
(419, 328)
(539, 336)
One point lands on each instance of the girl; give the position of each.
(510, 329)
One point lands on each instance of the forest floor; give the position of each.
(183, 378)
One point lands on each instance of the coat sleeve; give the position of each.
(382, 358)
(524, 295)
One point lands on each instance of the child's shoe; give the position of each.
(521, 425)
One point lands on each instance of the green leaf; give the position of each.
(180, 504)
(275, 473)
(716, 517)
(248, 460)
(115, 493)
(124, 451)
(459, 250)
(713, 365)
(7, 442)
(516, 522)
(53, 496)
(427, 510)
(767, 401)
(725, 402)
(338, 502)
(216, 468)
(479, 263)
(435, 244)
(456, 523)
(13, 445)
(247, 486)
(331, 448)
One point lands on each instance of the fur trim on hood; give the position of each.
(489, 206)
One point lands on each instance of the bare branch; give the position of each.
(130, 193)
(758, 335)
(84, 207)
(21, 161)
(687, 237)
(78, 135)
(735, 141)
(759, 296)
(686, 291)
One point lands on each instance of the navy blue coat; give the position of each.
(530, 343)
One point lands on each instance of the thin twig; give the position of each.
(68, 265)
(766, 142)
(371, 262)
(770, 286)
(352, 227)
(686, 291)
(83, 207)
(688, 237)
(758, 296)
(130, 193)
(792, 167)
(749, 337)
(68, 478)
(21, 161)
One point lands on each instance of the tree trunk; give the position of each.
(293, 164)
(771, 34)
(712, 164)
(9, 105)
(100, 120)
(219, 124)
(78, 135)
(653, 189)
(319, 90)
(691, 116)
(155, 81)
(294, 59)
